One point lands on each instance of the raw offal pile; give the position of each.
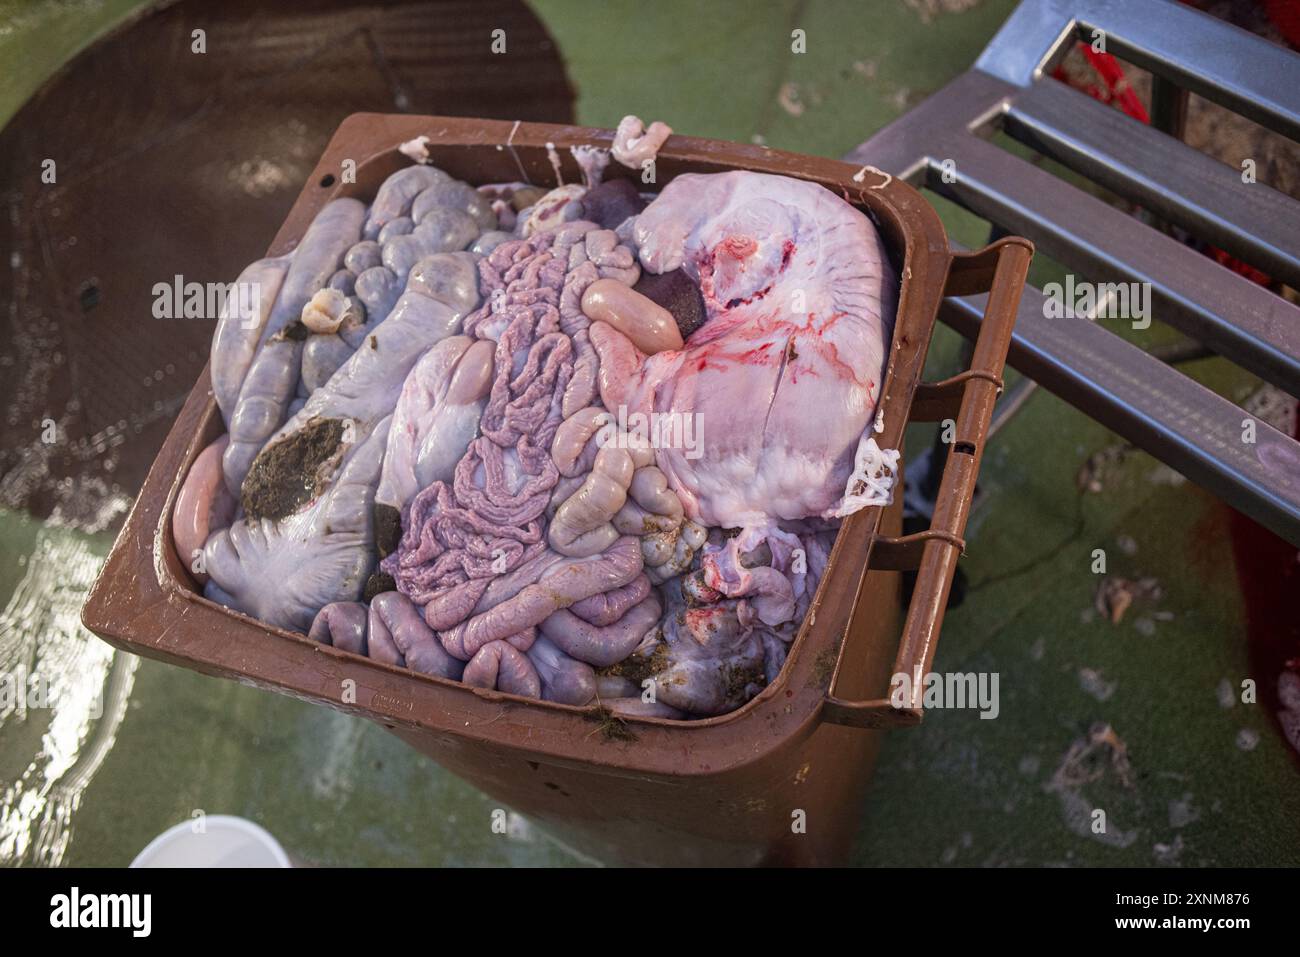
(571, 444)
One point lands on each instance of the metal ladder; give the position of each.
(1133, 392)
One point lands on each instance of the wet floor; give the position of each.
(1141, 717)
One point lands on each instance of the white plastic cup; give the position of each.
(215, 840)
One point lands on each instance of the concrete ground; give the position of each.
(1142, 717)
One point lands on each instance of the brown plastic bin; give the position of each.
(777, 781)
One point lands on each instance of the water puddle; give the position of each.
(63, 694)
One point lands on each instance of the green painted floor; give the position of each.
(1130, 718)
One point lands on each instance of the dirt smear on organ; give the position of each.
(288, 474)
(639, 667)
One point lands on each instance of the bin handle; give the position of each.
(1000, 270)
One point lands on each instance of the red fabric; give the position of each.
(1115, 90)
(1285, 15)
(1117, 83)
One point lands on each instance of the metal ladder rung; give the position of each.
(1179, 183)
